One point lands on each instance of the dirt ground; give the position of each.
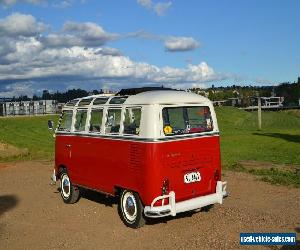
(33, 216)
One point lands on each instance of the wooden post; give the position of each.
(259, 112)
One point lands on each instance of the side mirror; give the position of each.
(50, 124)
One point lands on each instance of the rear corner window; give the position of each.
(132, 121)
(80, 120)
(186, 120)
(96, 121)
(65, 122)
(112, 124)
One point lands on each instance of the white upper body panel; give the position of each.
(151, 104)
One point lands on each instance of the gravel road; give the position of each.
(33, 216)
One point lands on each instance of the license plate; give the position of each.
(192, 177)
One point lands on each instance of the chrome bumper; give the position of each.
(174, 208)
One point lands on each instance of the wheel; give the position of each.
(131, 209)
(69, 193)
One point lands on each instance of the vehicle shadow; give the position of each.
(287, 137)
(110, 201)
(91, 195)
(154, 221)
(7, 202)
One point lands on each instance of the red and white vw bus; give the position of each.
(158, 151)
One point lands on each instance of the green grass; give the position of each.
(278, 142)
(30, 133)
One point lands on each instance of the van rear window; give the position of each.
(186, 120)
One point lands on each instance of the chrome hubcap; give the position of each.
(65, 186)
(129, 207)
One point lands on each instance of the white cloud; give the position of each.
(76, 57)
(89, 31)
(63, 4)
(171, 43)
(145, 3)
(180, 44)
(79, 34)
(30, 62)
(159, 8)
(20, 25)
(53, 3)
(106, 51)
(8, 3)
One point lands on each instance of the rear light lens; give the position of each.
(217, 176)
(165, 187)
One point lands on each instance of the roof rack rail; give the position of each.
(134, 91)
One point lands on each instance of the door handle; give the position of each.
(68, 145)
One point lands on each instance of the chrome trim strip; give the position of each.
(139, 139)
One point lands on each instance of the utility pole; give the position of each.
(259, 112)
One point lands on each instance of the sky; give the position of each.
(110, 44)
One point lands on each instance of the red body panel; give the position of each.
(104, 163)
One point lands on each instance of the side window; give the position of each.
(65, 121)
(81, 115)
(96, 120)
(113, 118)
(132, 121)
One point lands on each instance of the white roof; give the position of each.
(165, 97)
(156, 97)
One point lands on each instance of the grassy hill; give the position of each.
(277, 143)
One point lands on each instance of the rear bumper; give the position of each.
(174, 208)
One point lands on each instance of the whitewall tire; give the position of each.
(131, 209)
(69, 193)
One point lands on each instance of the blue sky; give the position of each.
(115, 44)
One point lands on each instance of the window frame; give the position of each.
(123, 120)
(60, 120)
(90, 110)
(162, 133)
(75, 119)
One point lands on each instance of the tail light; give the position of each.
(217, 176)
(165, 187)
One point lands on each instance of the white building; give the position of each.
(28, 107)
